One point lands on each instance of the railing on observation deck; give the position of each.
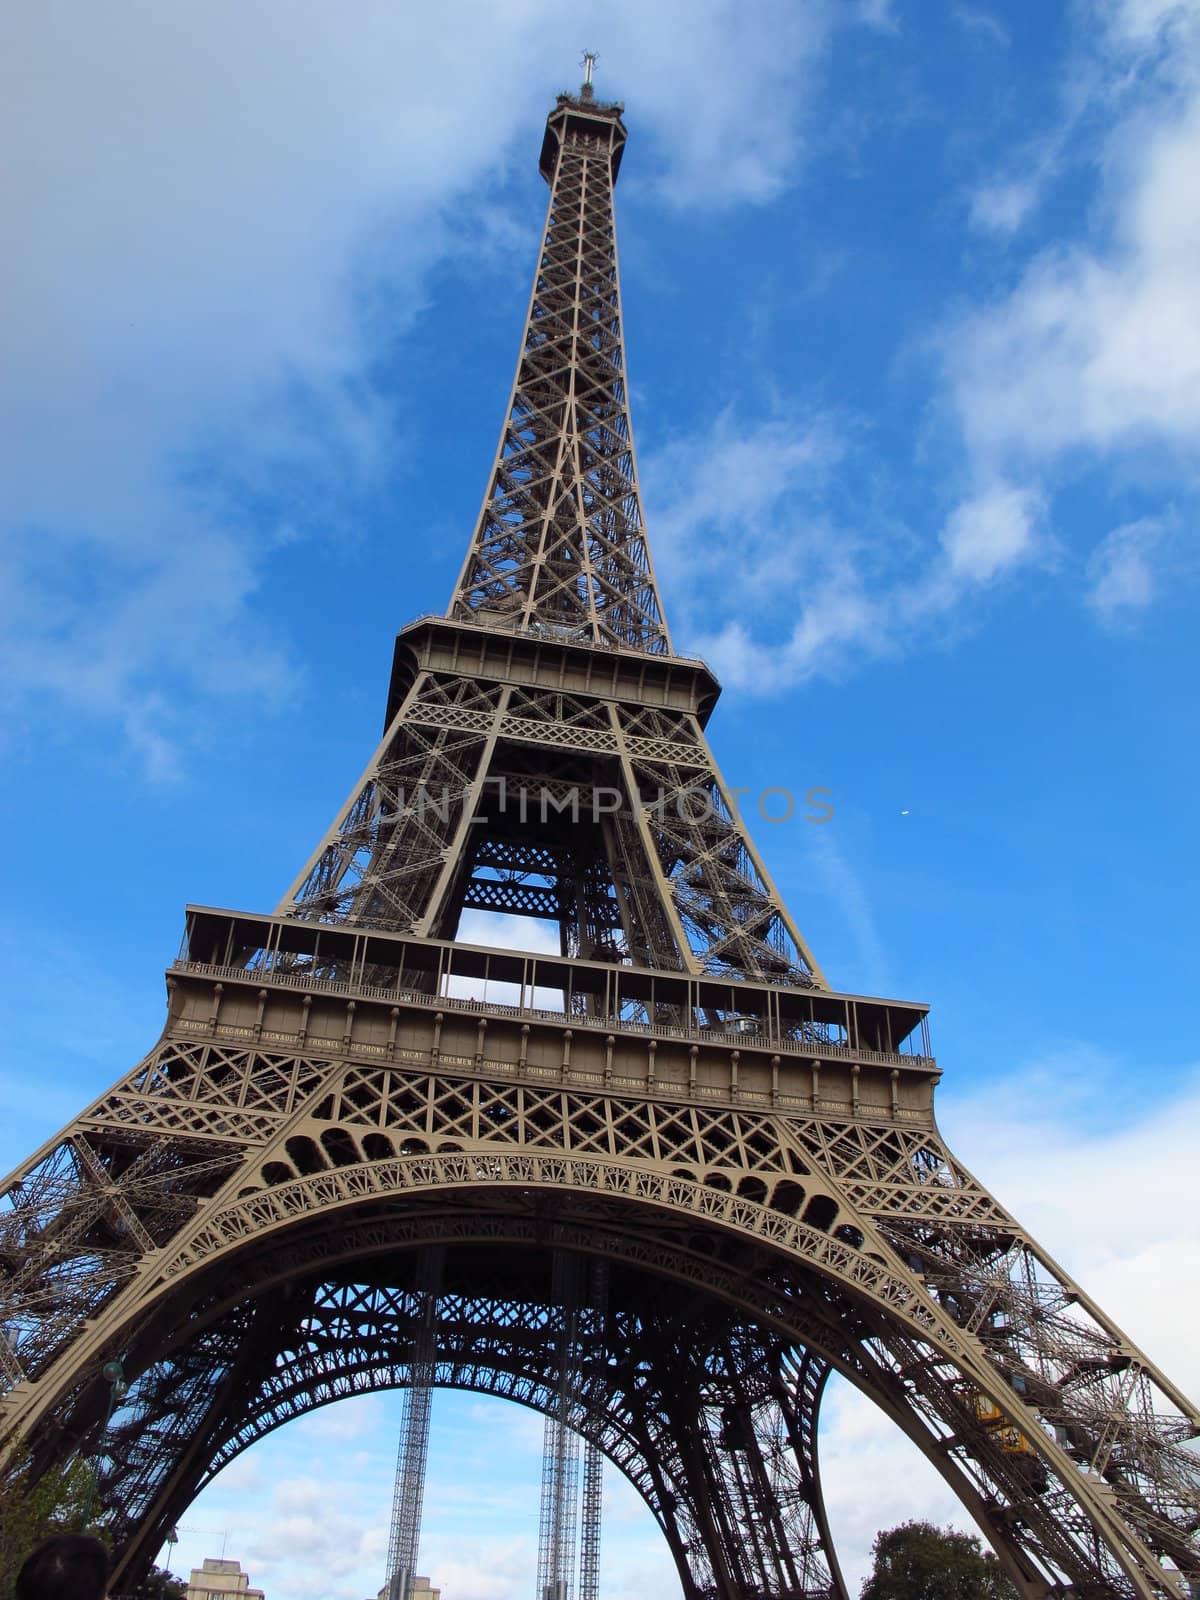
(405, 969)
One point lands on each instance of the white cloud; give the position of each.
(844, 888)
(1143, 21)
(1098, 345)
(1121, 571)
(974, 19)
(1004, 202)
(217, 216)
(336, 1425)
(1093, 353)
(874, 1478)
(991, 532)
(742, 527)
(743, 140)
(501, 930)
(1002, 206)
(738, 526)
(738, 501)
(878, 14)
(836, 619)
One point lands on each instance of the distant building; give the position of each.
(418, 1589)
(221, 1580)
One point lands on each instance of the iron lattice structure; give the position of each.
(591, 1511)
(408, 1496)
(678, 1093)
(579, 1296)
(559, 1520)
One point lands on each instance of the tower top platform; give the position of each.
(582, 115)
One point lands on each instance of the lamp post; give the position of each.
(113, 1374)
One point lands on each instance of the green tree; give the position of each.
(917, 1561)
(159, 1584)
(59, 1502)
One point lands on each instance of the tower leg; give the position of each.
(560, 1455)
(592, 1509)
(408, 1498)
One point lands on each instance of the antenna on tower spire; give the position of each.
(588, 62)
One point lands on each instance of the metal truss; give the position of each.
(337, 1337)
(559, 1519)
(408, 1498)
(607, 817)
(591, 1510)
(561, 541)
(1060, 1436)
(677, 1094)
(659, 867)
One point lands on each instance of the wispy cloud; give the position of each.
(844, 888)
(989, 534)
(775, 591)
(1004, 202)
(1122, 579)
(217, 222)
(741, 504)
(1094, 348)
(1097, 345)
(977, 20)
(1002, 205)
(880, 14)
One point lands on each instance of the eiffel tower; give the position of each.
(228, 1236)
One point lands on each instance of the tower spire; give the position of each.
(588, 62)
(560, 544)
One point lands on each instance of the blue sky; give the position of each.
(913, 325)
